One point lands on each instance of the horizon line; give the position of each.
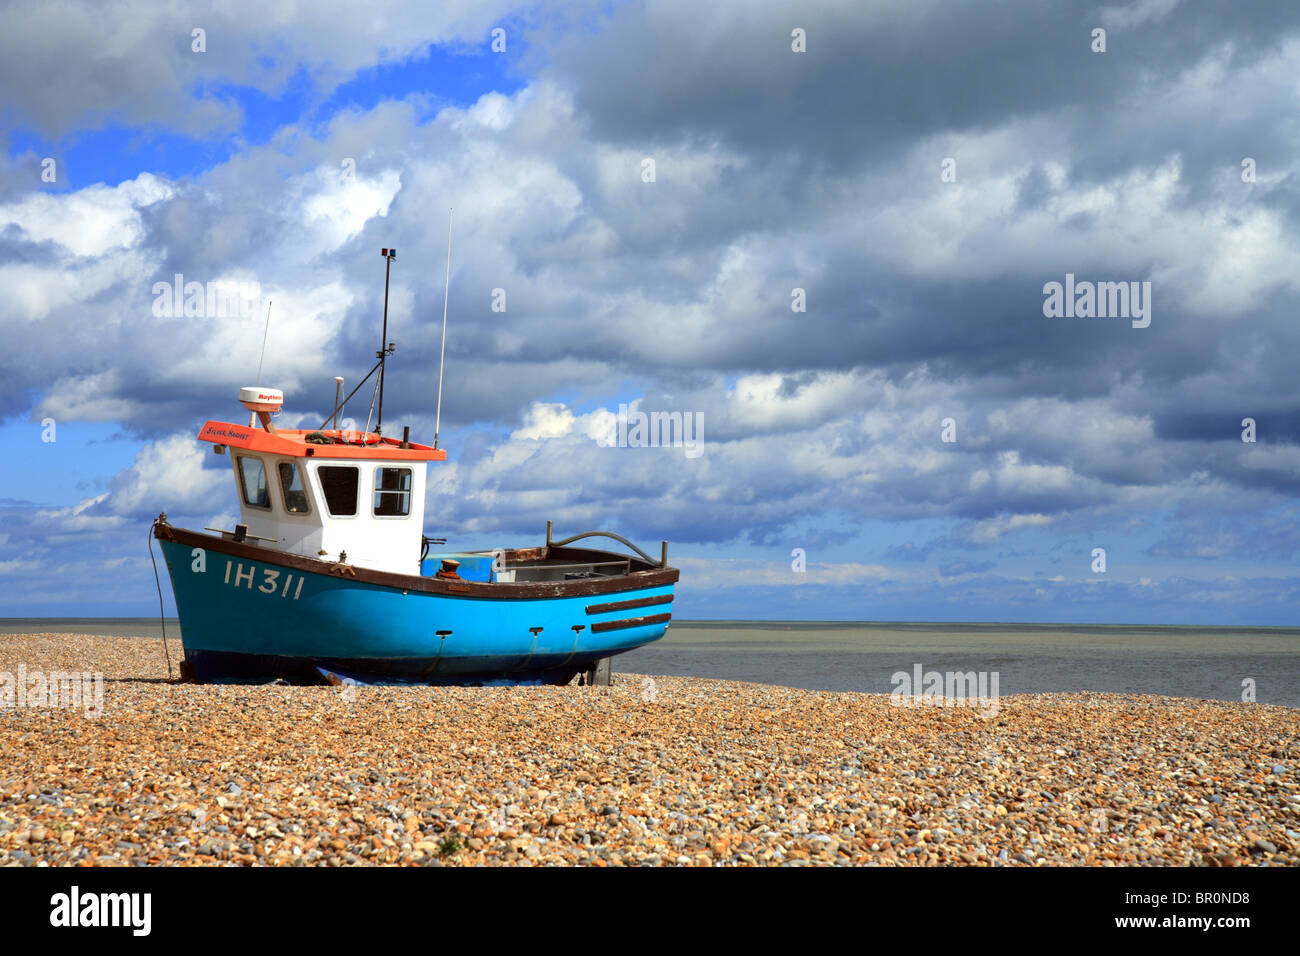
(788, 621)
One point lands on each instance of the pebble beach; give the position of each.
(652, 770)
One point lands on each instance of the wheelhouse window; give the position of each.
(291, 485)
(338, 485)
(392, 492)
(252, 479)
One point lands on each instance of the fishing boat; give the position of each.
(329, 577)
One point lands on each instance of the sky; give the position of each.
(825, 233)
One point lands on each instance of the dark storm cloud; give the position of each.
(877, 80)
(878, 76)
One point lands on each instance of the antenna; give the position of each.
(265, 331)
(252, 416)
(437, 421)
(338, 387)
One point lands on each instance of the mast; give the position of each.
(385, 347)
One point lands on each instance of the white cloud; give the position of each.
(993, 530)
(335, 210)
(168, 475)
(89, 222)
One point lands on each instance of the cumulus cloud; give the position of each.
(578, 286)
(168, 474)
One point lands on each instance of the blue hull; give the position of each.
(245, 619)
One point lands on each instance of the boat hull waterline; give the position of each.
(250, 614)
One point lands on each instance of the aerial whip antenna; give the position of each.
(338, 389)
(437, 421)
(252, 416)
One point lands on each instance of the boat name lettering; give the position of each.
(231, 432)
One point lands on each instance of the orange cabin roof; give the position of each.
(292, 442)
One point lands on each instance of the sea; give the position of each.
(1216, 663)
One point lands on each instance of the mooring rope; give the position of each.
(162, 620)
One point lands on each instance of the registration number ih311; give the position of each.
(239, 576)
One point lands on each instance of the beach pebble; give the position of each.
(715, 773)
